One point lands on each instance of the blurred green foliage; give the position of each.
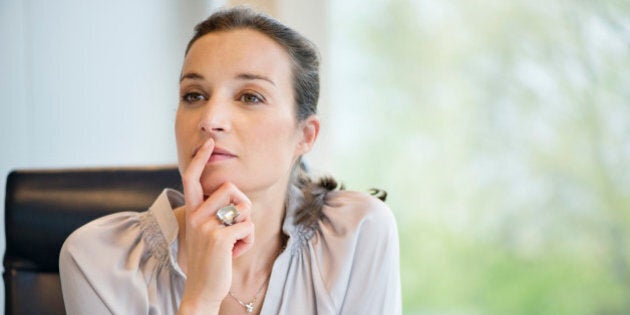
(501, 130)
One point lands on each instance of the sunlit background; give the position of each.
(500, 129)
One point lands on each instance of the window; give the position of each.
(501, 130)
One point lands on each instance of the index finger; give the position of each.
(191, 179)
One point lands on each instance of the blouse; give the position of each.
(126, 263)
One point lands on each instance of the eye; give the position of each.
(251, 98)
(193, 97)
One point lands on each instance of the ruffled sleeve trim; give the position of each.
(159, 227)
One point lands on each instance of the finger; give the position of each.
(244, 233)
(239, 236)
(191, 179)
(226, 194)
(245, 211)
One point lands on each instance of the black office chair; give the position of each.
(43, 207)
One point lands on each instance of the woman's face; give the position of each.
(236, 88)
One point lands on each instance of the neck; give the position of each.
(267, 215)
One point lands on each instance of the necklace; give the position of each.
(249, 307)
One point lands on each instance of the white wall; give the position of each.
(90, 83)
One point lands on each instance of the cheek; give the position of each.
(278, 143)
(261, 136)
(181, 135)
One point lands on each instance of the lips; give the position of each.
(218, 154)
(220, 151)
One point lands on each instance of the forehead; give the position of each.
(239, 51)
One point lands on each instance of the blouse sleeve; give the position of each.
(98, 266)
(362, 231)
(80, 295)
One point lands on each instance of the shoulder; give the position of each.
(357, 212)
(105, 253)
(125, 234)
(358, 202)
(355, 224)
(104, 231)
(108, 238)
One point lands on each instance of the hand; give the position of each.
(210, 246)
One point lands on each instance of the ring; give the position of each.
(228, 214)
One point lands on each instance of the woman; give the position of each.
(252, 233)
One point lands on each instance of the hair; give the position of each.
(305, 75)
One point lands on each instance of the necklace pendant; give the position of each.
(250, 307)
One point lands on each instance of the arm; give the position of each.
(374, 282)
(79, 294)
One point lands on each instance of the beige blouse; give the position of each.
(126, 263)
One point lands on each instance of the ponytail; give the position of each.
(315, 192)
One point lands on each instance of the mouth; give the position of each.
(218, 154)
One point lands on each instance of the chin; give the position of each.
(210, 184)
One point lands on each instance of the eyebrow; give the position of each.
(241, 76)
(191, 76)
(251, 76)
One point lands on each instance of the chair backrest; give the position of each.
(43, 207)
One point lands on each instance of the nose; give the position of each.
(216, 116)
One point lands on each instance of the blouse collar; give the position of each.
(163, 208)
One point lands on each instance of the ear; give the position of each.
(309, 130)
